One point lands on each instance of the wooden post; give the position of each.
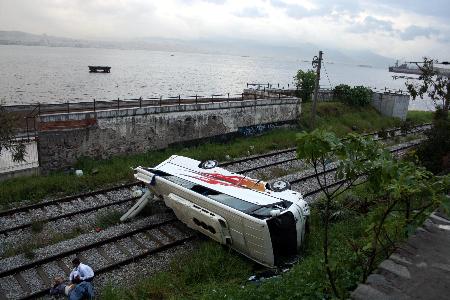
(68, 109)
(196, 97)
(140, 102)
(160, 100)
(94, 105)
(316, 90)
(118, 103)
(179, 99)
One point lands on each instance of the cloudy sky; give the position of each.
(403, 29)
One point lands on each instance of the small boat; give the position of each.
(99, 69)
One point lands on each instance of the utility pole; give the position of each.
(317, 62)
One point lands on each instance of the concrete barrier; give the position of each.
(64, 138)
(387, 104)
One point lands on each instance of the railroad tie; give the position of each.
(105, 255)
(62, 265)
(152, 238)
(182, 228)
(81, 257)
(167, 234)
(2, 293)
(23, 284)
(138, 243)
(123, 249)
(44, 276)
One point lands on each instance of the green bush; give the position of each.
(305, 81)
(343, 93)
(361, 96)
(434, 152)
(356, 96)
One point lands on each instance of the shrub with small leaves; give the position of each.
(342, 92)
(356, 96)
(361, 96)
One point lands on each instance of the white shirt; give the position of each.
(83, 270)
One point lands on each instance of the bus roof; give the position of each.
(224, 181)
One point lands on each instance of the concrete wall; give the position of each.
(393, 105)
(388, 104)
(64, 138)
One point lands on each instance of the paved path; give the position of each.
(418, 269)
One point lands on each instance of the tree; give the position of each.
(433, 84)
(435, 152)
(354, 155)
(305, 83)
(7, 136)
(403, 194)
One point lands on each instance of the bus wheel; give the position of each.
(208, 164)
(279, 186)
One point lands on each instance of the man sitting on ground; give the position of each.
(84, 271)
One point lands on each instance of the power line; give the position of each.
(326, 73)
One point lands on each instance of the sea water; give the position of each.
(31, 74)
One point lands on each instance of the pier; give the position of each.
(99, 69)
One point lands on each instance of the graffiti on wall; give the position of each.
(255, 129)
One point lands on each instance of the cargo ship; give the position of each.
(403, 68)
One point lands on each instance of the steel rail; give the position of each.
(121, 263)
(102, 191)
(72, 251)
(67, 215)
(128, 260)
(250, 158)
(318, 190)
(64, 199)
(26, 225)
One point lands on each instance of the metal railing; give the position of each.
(292, 86)
(117, 104)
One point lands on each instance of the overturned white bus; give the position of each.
(265, 222)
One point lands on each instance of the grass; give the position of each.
(38, 241)
(420, 117)
(342, 119)
(335, 116)
(189, 275)
(214, 272)
(37, 226)
(103, 173)
(108, 219)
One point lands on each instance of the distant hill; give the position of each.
(233, 47)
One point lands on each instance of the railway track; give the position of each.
(292, 151)
(33, 279)
(313, 190)
(47, 212)
(17, 279)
